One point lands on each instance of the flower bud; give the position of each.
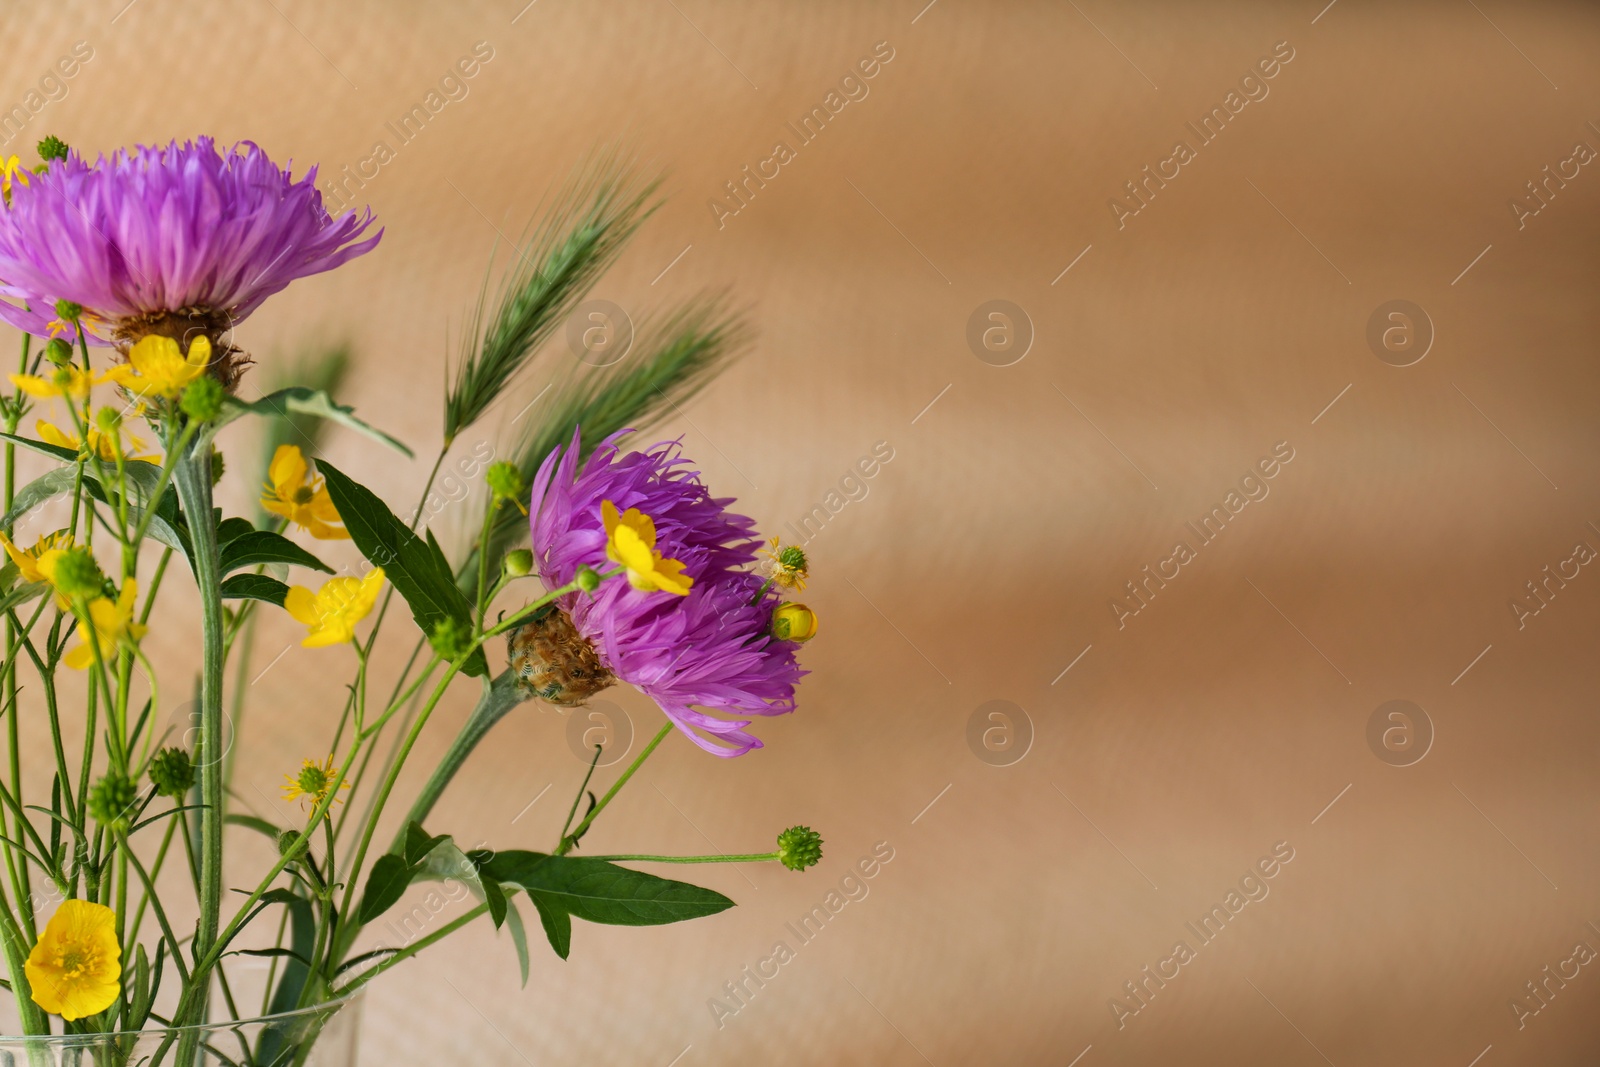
(794, 622)
(58, 352)
(505, 480)
(451, 638)
(75, 573)
(108, 420)
(289, 845)
(799, 847)
(518, 563)
(588, 578)
(202, 400)
(171, 772)
(52, 147)
(67, 311)
(112, 800)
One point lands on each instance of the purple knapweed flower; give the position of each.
(707, 658)
(164, 240)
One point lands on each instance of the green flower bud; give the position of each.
(108, 421)
(52, 147)
(202, 400)
(518, 563)
(588, 578)
(799, 847)
(171, 773)
(451, 638)
(58, 352)
(505, 480)
(287, 845)
(112, 800)
(67, 311)
(794, 622)
(76, 574)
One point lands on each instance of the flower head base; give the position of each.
(331, 613)
(794, 622)
(155, 237)
(109, 625)
(706, 657)
(112, 800)
(73, 571)
(292, 493)
(75, 969)
(311, 785)
(108, 446)
(172, 772)
(631, 542)
(786, 565)
(156, 367)
(28, 561)
(799, 847)
(52, 147)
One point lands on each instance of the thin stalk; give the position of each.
(568, 841)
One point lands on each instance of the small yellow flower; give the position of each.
(110, 623)
(28, 561)
(105, 445)
(302, 500)
(786, 565)
(86, 321)
(331, 613)
(75, 969)
(11, 170)
(631, 542)
(311, 785)
(63, 381)
(156, 367)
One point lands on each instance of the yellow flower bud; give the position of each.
(794, 622)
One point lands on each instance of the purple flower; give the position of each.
(144, 234)
(707, 658)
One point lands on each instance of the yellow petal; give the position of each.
(34, 386)
(287, 472)
(608, 515)
(669, 577)
(335, 633)
(628, 549)
(51, 435)
(301, 604)
(200, 352)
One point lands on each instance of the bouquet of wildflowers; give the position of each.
(128, 276)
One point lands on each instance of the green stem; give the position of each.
(748, 857)
(192, 473)
(571, 839)
(412, 949)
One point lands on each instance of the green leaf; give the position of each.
(386, 884)
(254, 587)
(602, 892)
(302, 401)
(495, 897)
(47, 486)
(234, 528)
(418, 570)
(264, 546)
(419, 843)
(519, 939)
(66, 455)
(260, 826)
(556, 922)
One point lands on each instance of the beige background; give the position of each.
(1222, 319)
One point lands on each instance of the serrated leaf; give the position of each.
(302, 401)
(556, 922)
(255, 587)
(386, 884)
(519, 940)
(416, 568)
(264, 546)
(602, 892)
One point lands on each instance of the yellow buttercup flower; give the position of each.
(311, 785)
(63, 381)
(786, 565)
(28, 561)
(110, 623)
(105, 445)
(331, 613)
(631, 542)
(76, 967)
(156, 367)
(11, 170)
(301, 499)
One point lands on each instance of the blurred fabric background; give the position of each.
(1152, 358)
